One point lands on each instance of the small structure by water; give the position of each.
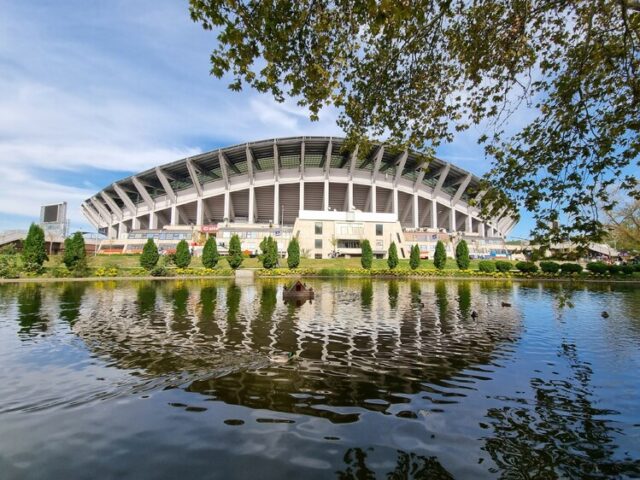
(298, 291)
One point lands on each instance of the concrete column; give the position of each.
(301, 195)
(373, 198)
(326, 195)
(153, 221)
(469, 224)
(396, 207)
(227, 205)
(434, 214)
(452, 220)
(122, 230)
(135, 223)
(111, 232)
(481, 229)
(276, 203)
(199, 212)
(416, 217)
(174, 215)
(350, 196)
(252, 202)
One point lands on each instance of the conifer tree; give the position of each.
(392, 256)
(235, 252)
(293, 253)
(462, 255)
(210, 254)
(367, 254)
(34, 252)
(269, 256)
(440, 256)
(150, 255)
(414, 259)
(182, 258)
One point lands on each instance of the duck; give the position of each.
(604, 314)
(282, 358)
(505, 304)
(474, 314)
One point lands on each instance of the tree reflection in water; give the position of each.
(408, 465)
(70, 301)
(561, 434)
(32, 321)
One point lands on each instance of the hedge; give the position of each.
(571, 268)
(549, 267)
(503, 266)
(527, 267)
(487, 266)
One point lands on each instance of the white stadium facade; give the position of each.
(310, 187)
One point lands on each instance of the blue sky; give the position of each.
(92, 91)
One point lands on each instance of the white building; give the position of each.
(329, 196)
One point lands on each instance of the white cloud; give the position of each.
(87, 89)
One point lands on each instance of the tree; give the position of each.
(182, 257)
(74, 251)
(34, 252)
(235, 252)
(366, 258)
(269, 256)
(462, 255)
(150, 255)
(445, 65)
(392, 256)
(414, 258)
(623, 222)
(210, 254)
(440, 256)
(293, 253)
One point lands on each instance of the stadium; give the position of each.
(314, 188)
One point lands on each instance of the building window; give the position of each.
(318, 255)
(318, 228)
(378, 229)
(318, 243)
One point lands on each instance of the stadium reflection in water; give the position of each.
(387, 378)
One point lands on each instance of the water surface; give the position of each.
(390, 379)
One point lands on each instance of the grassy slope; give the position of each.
(133, 261)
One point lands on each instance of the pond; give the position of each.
(387, 379)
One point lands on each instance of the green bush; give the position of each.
(60, 271)
(392, 256)
(293, 253)
(440, 256)
(8, 267)
(81, 268)
(182, 258)
(628, 269)
(74, 251)
(614, 269)
(366, 258)
(34, 252)
(549, 267)
(159, 271)
(527, 267)
(150, 255)
(462, 255)
(210, 254)
(486, 266)
(235, 252)
(598, 268)
(503, 266)
(414, 258)
(9, 249)
(570, 268)
(269, 256)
